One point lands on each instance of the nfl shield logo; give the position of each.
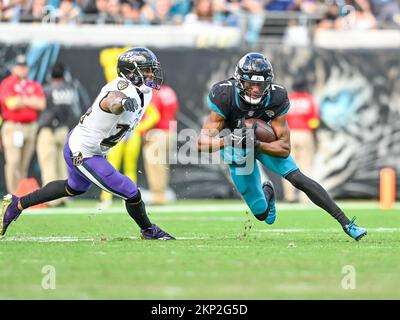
(251, 113)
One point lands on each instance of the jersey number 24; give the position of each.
(115, 138)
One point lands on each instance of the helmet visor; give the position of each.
(256, 89)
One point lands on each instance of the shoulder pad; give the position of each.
(280, 99)
(280, 93)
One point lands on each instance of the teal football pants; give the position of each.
(249, 186)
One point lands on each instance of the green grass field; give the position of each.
(222, 252)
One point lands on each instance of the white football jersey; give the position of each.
(98, 130)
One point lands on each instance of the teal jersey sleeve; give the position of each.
(214, 107)
(285, 110)
(280, 100)
(218, 99)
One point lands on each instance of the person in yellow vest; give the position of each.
(126, 152)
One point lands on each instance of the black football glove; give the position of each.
(244, 137)
(129, 104)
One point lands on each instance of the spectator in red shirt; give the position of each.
(21, 100)
(158, 142)
(303, 119)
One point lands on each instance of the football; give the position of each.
(264, 132)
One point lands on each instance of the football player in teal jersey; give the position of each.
(251, 93)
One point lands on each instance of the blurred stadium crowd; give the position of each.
(370, 14)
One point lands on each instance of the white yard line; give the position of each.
(86, 239)
(46, 239)
(202, 208)
(194, 218)
(323, 230)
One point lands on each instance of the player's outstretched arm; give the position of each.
(208, 139)
(113, 102)
(281, 146)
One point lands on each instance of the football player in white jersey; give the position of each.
(116, 110)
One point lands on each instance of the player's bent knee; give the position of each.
(135, 199)
(296, 178)
(71, 192)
